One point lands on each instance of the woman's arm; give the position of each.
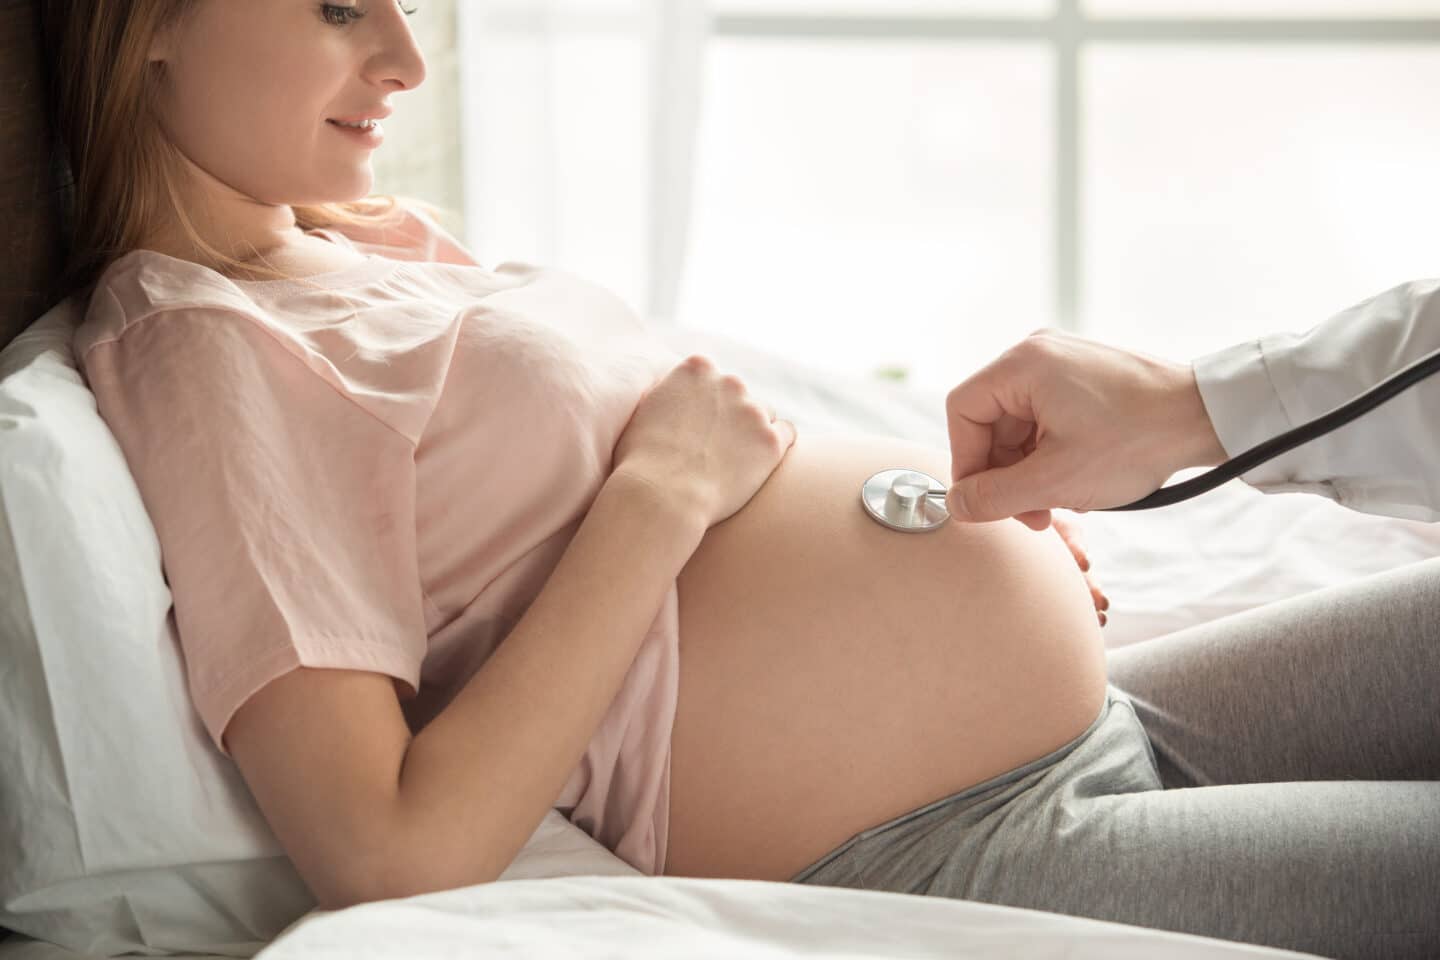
(476, 782)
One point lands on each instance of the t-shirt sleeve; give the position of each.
(285, 510)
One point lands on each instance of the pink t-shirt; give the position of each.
(381, 475)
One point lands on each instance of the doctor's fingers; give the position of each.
(1010, 440)
(1014, 440)
(1012, 433)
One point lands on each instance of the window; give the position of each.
(918, 184)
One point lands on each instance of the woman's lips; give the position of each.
(372, 136)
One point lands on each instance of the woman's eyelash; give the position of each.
(340, 15)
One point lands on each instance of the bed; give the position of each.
(168, 883)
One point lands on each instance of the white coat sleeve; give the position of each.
(1386, 461)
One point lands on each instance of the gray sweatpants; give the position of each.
(1271, 777)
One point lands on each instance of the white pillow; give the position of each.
(122, 828)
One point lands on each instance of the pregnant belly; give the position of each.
(835, 674)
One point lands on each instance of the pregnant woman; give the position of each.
(834, 673)
(450, 546)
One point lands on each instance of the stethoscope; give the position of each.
(912, 501)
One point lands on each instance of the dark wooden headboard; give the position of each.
(35, 177)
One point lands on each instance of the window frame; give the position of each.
(1067, 32)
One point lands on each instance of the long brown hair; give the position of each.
(126, 172)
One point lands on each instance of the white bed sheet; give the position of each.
(648, 918)
(1226, 551)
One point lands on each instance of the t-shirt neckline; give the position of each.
(372, 266)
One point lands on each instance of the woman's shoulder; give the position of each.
(143, 283)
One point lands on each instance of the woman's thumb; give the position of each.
(788, 433)
(997, 494)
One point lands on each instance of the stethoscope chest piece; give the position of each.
(905, 500)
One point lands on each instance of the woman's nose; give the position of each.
(401, 64)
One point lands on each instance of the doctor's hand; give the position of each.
(1062, 421)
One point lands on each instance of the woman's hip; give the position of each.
(1112, 755)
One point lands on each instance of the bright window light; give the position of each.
(861, 206)
(1309, 9)
(885, 8)
(1235, 192)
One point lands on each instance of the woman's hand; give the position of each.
(698, 435)
(1069, 530)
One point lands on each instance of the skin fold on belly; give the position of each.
(835, 674)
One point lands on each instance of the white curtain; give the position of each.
(579, 123)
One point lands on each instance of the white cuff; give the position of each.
(1245, 408)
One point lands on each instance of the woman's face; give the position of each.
(251, 84)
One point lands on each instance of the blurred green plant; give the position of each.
(898, 374)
